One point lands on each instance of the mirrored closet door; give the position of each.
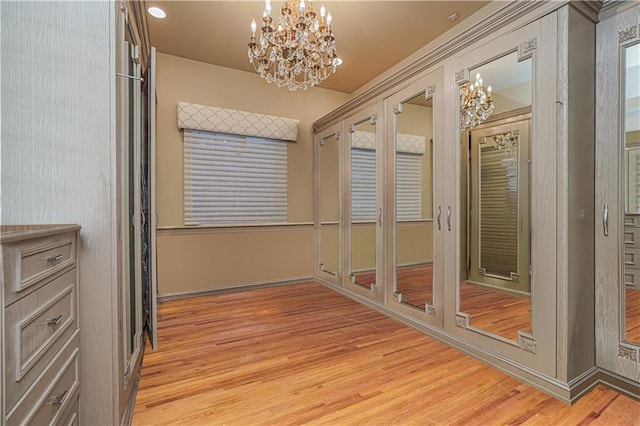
(416, 214)
(363, 151)
(503, 165)
(328, 168)
(618, 195)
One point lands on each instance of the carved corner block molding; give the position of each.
(627, 34)
(627, 352)
(431, 311)
(397, 108)
(397, 297)
(462, 76)
(461, 321)
(526, 343)
(374, 288)
(430, 91)
(526, 49)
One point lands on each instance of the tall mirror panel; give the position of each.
(631, 141)
(414, 233)
(495, 115)
(329, 204)
(365, 213)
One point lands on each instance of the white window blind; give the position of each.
(232, 179)
(408, 186)
(363, 186)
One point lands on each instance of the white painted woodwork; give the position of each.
(41, 324)
(613, 353)
(431, 85)
(59, 161)
(376, 291)
(153, 217)
(332, 135)
(558, 356)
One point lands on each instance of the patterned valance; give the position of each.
(212, 119)
(412, 144)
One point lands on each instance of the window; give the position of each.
(230, 179)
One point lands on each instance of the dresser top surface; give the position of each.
(12, 233)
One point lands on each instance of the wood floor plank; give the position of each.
(304, 354)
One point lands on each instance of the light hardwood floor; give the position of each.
(306, 354)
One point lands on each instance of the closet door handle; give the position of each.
(438, 217)
(449, 217)
(380, 217)
(605, 220)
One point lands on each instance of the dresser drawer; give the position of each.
(632, 221)
(27, 264)
(36, 327)
(631, 258)
(55, 390)
(71, 416)
(631, 237)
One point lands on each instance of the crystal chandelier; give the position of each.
(476, 104)
(299, 52)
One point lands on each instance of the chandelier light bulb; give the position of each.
(294, 48)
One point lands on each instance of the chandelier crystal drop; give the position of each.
(297, 52)
(476, 104)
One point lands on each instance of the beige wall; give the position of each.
(205, 259)
(185, 80)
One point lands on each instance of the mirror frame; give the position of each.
(537, 350)
(432, 86)
(320, 272)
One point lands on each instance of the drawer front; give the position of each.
(29, 263)
(632, 221)
(71, 416)
(632, 278)
(631, 237)
(631, 258)
(48, 399)
(36, 327)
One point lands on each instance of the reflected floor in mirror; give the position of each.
(416, 285)
(305, 354)
(495, 312)
(632, 315)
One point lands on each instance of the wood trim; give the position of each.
(489, 26)
(221, 290)
(566, 392)
(219, 229)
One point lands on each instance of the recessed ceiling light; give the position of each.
(337, 61)
(156, 12)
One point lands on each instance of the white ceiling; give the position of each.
(371, 36)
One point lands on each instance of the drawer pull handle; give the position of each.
(57, 399)
(54, 321)
(54, 259)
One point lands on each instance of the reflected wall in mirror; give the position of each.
(414, 202)
(631, 263)
(329, 204)
(495, 285)
(364, 206)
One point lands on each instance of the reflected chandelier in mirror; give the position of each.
(476, 104)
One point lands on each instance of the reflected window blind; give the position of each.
(231, 179)
(408, 182)
(363, 186)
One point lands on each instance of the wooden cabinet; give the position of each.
(508, 201)
(41, 328)
(617, 225)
